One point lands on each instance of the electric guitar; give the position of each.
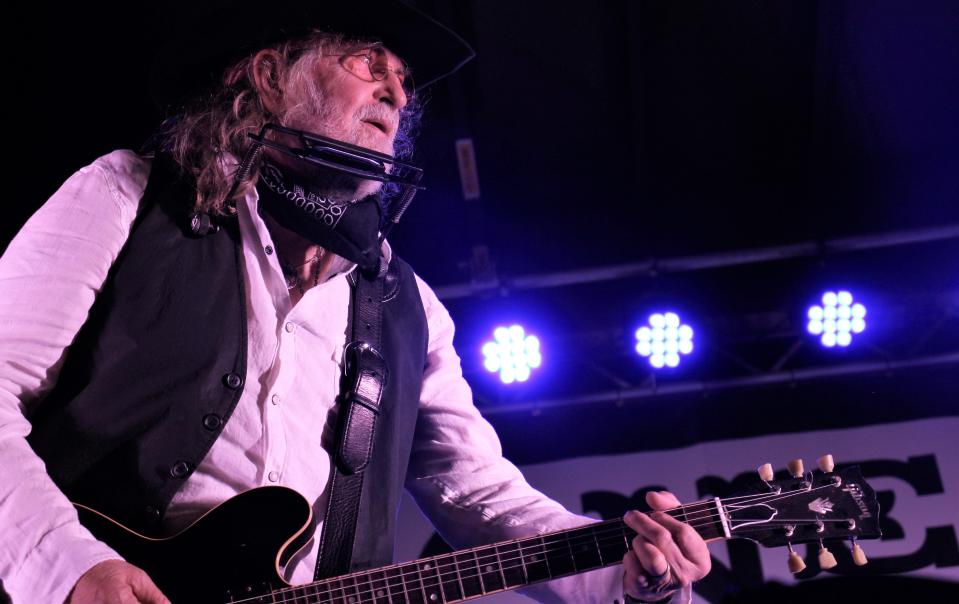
(234, 552)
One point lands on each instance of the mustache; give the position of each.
(382, 113)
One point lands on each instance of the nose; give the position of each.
(391, 91)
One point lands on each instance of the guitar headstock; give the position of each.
(806, 507)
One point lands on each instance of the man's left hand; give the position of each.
(667, 554)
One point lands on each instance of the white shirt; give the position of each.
(49, 277)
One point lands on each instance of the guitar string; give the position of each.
(616, 527)
(438, 577)
(759, 498)
(439, 574)
(750, 496)
(426, 582)
(786, 495)
(774, 496)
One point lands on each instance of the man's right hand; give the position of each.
(116, 582)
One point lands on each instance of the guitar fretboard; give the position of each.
(476, 572)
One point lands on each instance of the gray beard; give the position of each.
(317, 115)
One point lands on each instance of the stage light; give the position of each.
(512, 353)
(837, 319)
(664, 340)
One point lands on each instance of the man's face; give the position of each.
(339, 98)
(347, 103)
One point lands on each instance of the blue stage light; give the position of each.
(512, 353)
(837, 319)
(664, 340)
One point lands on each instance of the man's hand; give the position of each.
(667, 554)
(116, 582)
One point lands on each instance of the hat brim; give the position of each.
(192, 59)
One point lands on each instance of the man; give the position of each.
(161, 365)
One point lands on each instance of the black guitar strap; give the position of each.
(364, 378)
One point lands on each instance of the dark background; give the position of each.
(618, 132)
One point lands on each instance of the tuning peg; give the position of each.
(826, 559)
(858, 556)
(795, 562)
(765, 472)
(795, 468)
(826, 463)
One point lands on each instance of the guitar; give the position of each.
(234, 552)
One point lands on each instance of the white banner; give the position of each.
(913, 466)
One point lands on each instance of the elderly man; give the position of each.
(173, 327)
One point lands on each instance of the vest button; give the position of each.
(232, 380)
(179, 470)
(151, 514)
(212, 422)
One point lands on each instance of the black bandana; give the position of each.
(350, 230)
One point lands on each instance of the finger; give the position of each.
(123, 595)
(652, 561)
(689, 542)
(635, 581)
(651, 531)
(661, 500)
(652, 534)
(146, 590)
(692, 561)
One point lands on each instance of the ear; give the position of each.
(267, 67)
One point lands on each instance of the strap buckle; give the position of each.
(365, 373)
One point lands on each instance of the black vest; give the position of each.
(156, 371)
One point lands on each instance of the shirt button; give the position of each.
(212, 421)
(232, 380)
(273, 476)
(269, 250)
(289, 327)
(276, 399)
(180, 469)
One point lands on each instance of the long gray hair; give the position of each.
(220, 122)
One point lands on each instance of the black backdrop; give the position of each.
(614, 132)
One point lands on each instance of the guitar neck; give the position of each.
(472, 573)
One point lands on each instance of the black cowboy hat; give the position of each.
(193, 56)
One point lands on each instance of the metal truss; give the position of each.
(653, 267)
(793, 376)
(747, 350)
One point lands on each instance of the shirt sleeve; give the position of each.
(461, 481)
(49, 276)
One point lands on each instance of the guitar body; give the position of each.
(231, 552)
